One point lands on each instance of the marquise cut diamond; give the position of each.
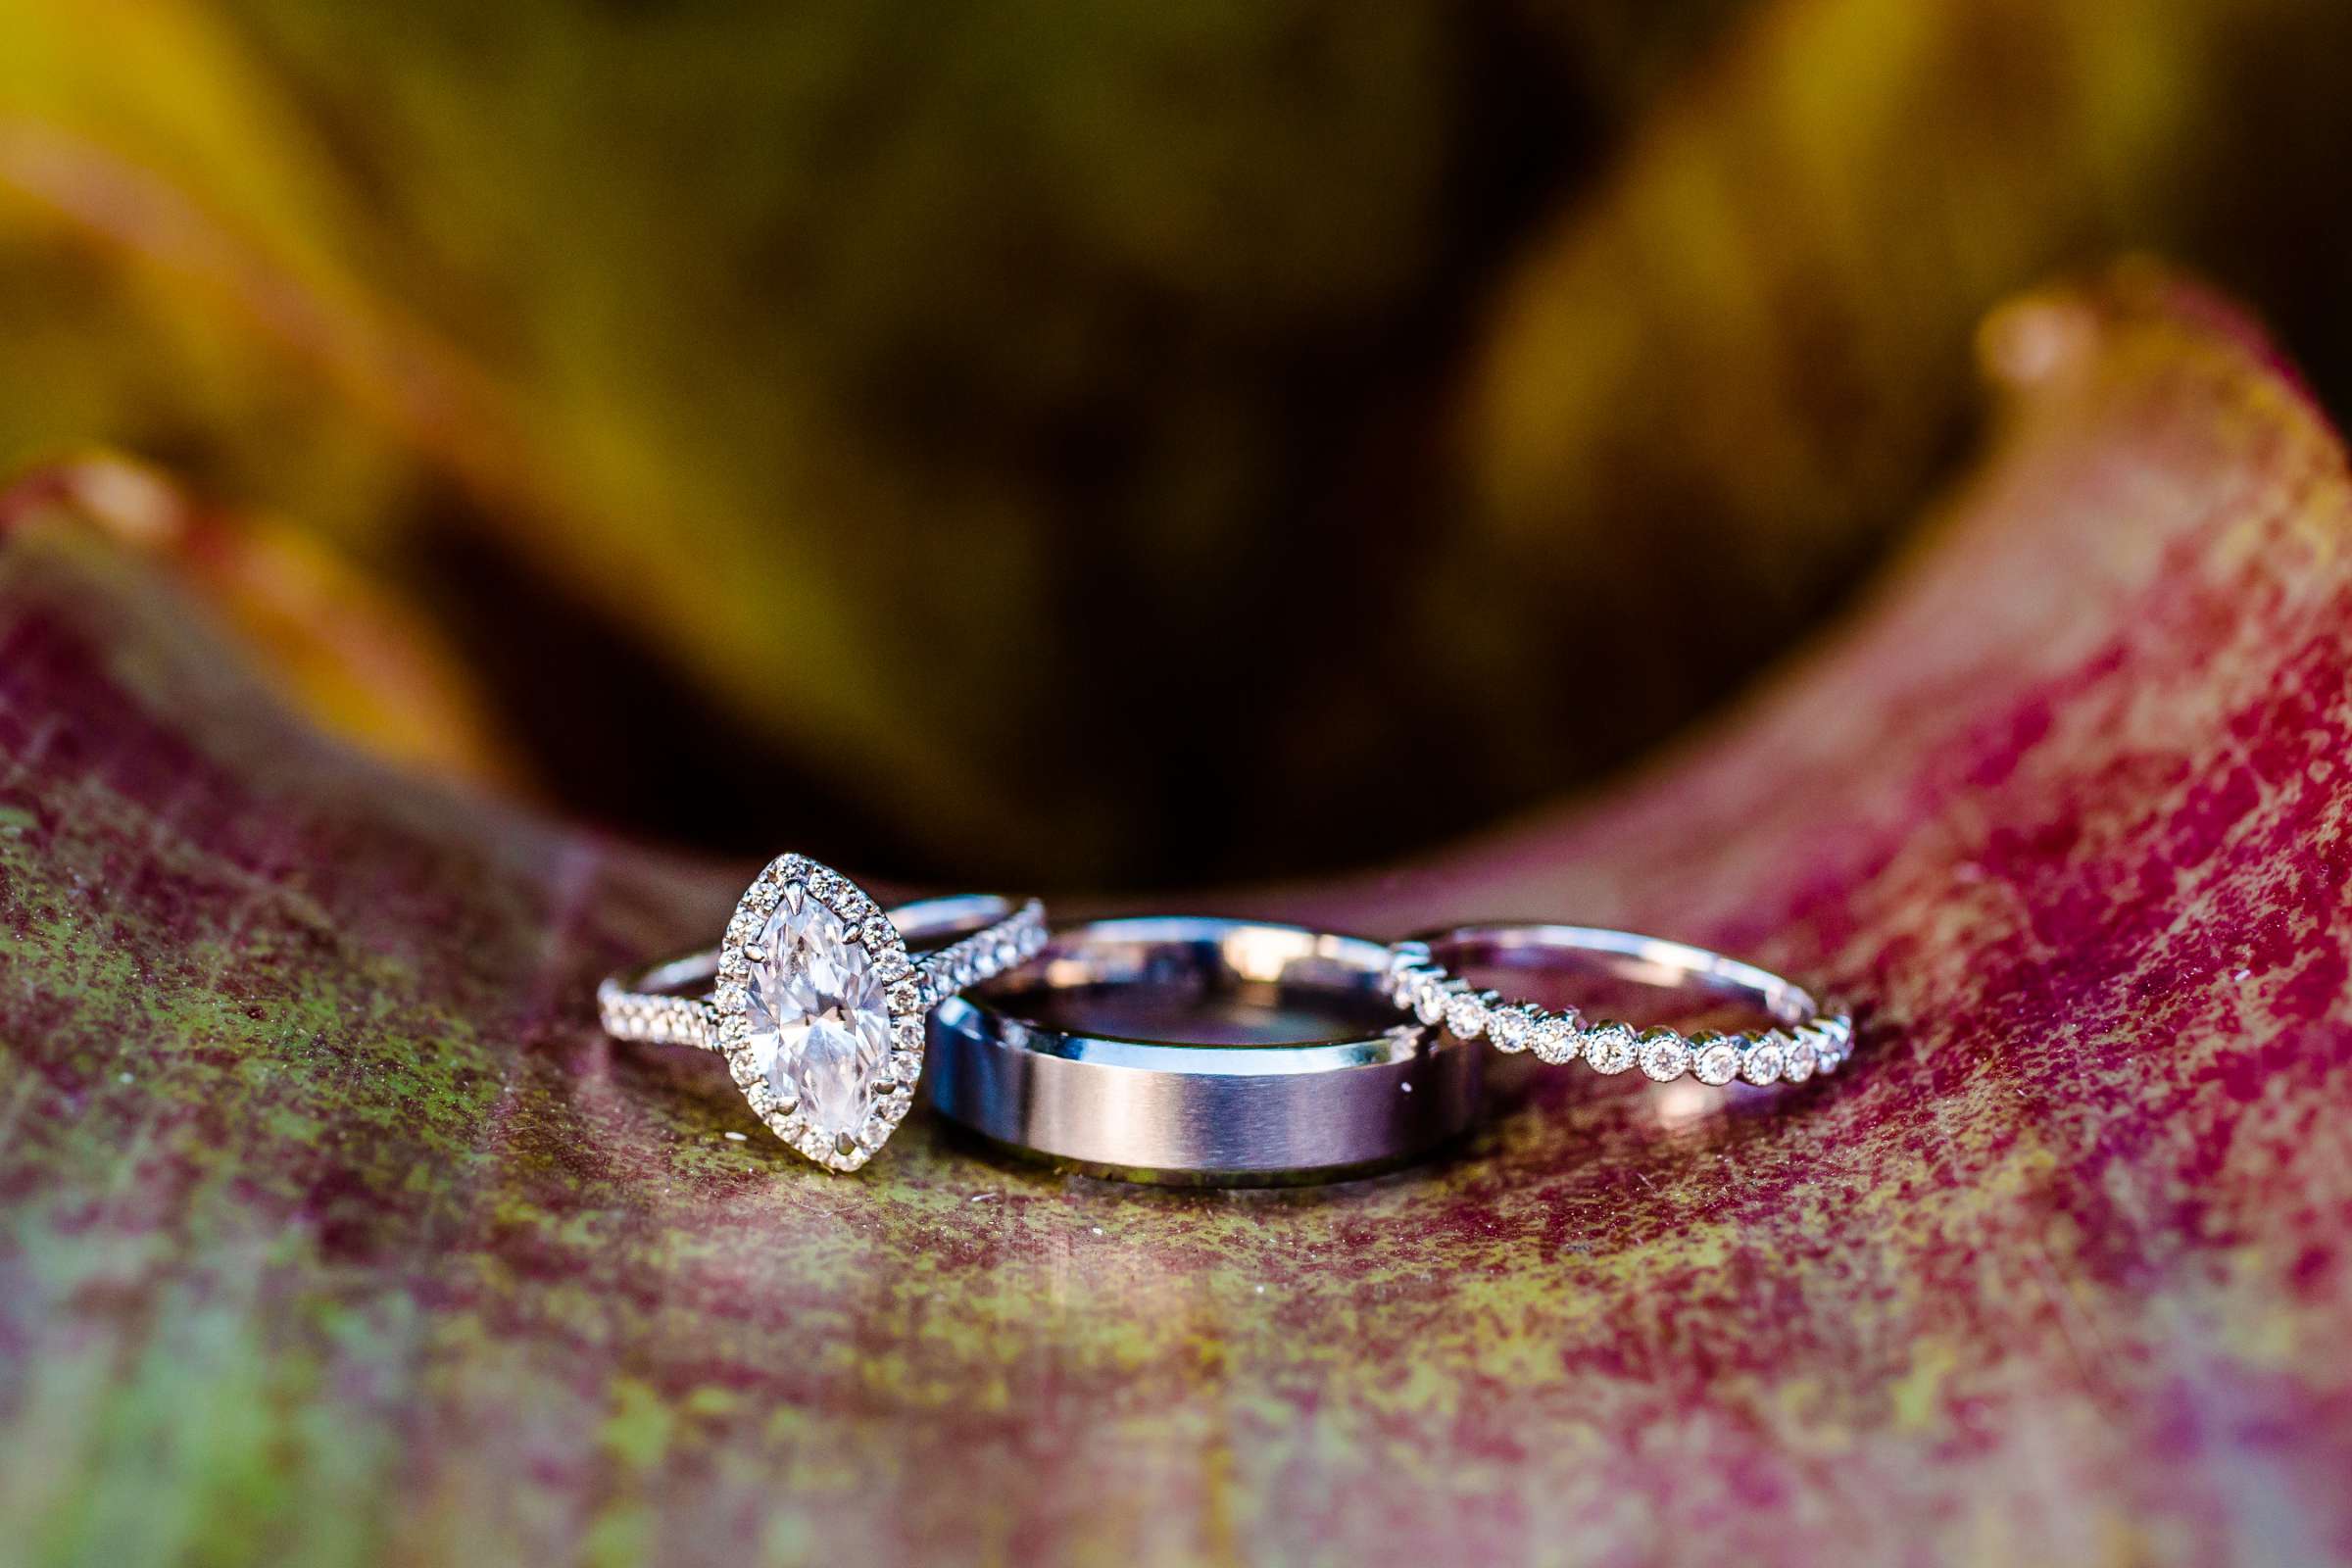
(816, 1002)
(819, 1016)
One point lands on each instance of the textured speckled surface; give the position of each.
(334, 1232)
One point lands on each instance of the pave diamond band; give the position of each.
(1801, 1038)
(817, 1001)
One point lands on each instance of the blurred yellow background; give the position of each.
(1072, 444)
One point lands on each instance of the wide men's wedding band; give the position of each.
(1368, 1090)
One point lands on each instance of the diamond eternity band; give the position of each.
(1802, 1038)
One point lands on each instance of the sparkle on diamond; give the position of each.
(1718, 1062)
(820, 1023)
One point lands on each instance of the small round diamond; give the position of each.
(1465, 1015)
(1406, 986)
(1714, 1061)
(1610, 1046)
(1665, 1057)
(1763, 1062)
(823, 885)
(1832, 1055)
(1510, 1029)
(1554, 1038)
(1430, 997)
(1801, 1059)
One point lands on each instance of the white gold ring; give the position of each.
(1803, 1037)
(818, 1006)
(1196, 1050)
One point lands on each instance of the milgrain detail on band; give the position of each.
(818, 1008)
(1804, 1038)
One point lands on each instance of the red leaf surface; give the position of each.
(336, 1232)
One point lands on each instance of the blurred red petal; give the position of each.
(319, 1173)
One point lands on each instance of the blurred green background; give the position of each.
(1078, 444)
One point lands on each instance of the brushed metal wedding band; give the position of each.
(1313, 1076)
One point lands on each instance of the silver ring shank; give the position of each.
(669, 1003)
(1627, 956)
(1205, 1112)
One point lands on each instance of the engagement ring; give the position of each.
(818, 1006)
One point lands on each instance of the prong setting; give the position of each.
(816, 1002)
(790, 882)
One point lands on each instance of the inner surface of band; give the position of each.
(1626, 957)
(1193, 983)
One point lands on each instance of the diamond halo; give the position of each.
(824, 1030)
